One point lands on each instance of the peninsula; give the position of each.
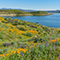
(14, 12)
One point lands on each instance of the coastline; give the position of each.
(23, 15)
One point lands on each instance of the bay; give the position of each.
(50, 20)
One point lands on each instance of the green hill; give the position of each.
(12, 11)
(15, 12)
(38, 13)
(22, 40)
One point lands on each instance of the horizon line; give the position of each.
(30, 9)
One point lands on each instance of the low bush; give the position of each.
(21, 28)
(27, 34)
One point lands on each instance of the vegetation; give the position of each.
(12, 11)
(22, 13)
(22, 40)
(39, 13)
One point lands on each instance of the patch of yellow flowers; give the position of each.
(16, 51)
(1, 29)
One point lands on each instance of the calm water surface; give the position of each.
(51, 20)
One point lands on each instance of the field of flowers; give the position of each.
(22, 40)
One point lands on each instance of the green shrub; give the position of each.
(23, 45)
(2, 37)
(21, 37)
(21, 28)
(1, 51)
(27, 34)
(5, 18)
(4, 50)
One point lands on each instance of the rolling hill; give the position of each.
(14, 12)
(22, 40)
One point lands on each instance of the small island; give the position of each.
(14, 12)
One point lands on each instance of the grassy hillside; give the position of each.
(22, 40)
(12, 11)
(21, 13)
(38, 13)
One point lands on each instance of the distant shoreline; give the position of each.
(23, 15)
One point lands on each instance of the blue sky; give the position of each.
(30, 4)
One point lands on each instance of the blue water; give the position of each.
(50, 20)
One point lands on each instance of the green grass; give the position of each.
(15, 34)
